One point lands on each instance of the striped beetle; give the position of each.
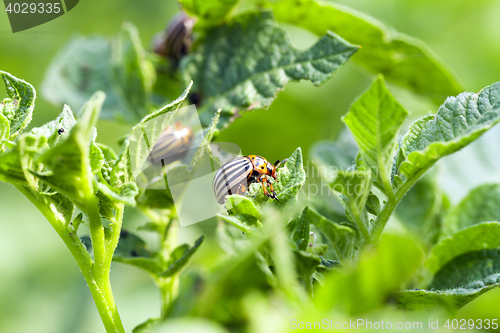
(172, 144)
(176, 42)
(235, 176)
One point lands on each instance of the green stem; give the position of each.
(391, 205)
(99, 288)
(308, 282)
(384, 176)
(105, 303)
(167, 229)
(116, 228)
(360, 223)
(72, 242)
(169, 288)
(101, 270)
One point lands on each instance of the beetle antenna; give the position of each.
(278, 163)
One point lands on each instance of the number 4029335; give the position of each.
(463, 324)
(32, 8)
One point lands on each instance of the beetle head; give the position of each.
(276, 166)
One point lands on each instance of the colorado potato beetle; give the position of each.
(176, 42)
(235, 176)
(173, 144)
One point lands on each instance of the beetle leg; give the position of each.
(263, 181)
(271, 194)
(272, 190)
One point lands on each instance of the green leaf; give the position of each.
(20, 164)
(234, 73)
(131, 245)
(378, 274)
(424, 299)
(340, 237)
(122, 172)
(291, 177)
(60, 205)
(18, 109)
(373, 204)
(299, 230)
(11, 169)
(204, 148)
(187, 325)
(96, 156)
(482, 157)
(244, 210)
(306, 263)
(147, 264)
(330, 156)
(137, 147)
(4, 132)
(147, 326)
(423, 208)
(237, 275)
(133, 72)
(108, 152)
(471, 270)
(87, 242)
(155, 198)
(125, 194)
(458, 122)
(354, 187)
(117, 66)
(77, 221)
(132, 250)
(237, 204)
(482, 204)
(17, 164)
(374, 120)
(466, 264)
(242, 222)
(209, 12)
(481, 236)
(180, 258)
(400, 58)
(66, 120)
(68, 162)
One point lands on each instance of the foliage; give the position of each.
(60, 168)
(257, 71)
(117, 66)
(397, 56)
(454, 282)
(378, 174)
(280, 257)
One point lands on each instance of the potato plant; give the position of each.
(300, 256)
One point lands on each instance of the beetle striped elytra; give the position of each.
(173, 144)
(177, 39)
(235, 176)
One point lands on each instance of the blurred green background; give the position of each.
(41, 289)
